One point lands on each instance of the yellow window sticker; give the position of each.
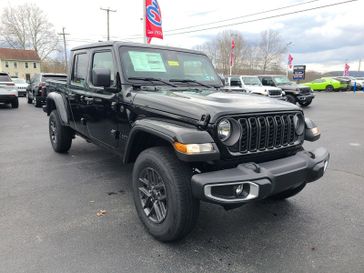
(173, 63)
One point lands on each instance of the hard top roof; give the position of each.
(119, 43)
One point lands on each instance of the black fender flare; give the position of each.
(57, 101)
(170, 132)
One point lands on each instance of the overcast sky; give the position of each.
(322, 39)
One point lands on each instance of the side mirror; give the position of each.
(101, 77)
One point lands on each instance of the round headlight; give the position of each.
(224, 129)
(299, 124)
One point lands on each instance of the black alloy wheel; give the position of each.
(153, 195)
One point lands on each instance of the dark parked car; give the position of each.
(36, 91)
(163, 109)
(294, 92)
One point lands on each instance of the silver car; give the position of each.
(8, 91)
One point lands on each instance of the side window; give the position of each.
(79, 72)
(235, 82)
(104, 60)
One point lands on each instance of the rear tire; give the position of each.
(329, 88)
(180, 208)
(288, 193)
(30, 101)
(291, 99)
(15, 103)
(60, 136)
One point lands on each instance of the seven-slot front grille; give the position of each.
(266, 132)
(275, 92)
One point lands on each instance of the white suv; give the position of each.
(8, 91)
(252, 85)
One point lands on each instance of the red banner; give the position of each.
(346, 70)
(290, 59)
(232, 51)
(153, 20)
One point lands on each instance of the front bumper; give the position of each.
(307, 97)
(260, 180)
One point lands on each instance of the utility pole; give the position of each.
(108, 20)
(65, 46)
(359, 65)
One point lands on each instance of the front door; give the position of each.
(102, 112)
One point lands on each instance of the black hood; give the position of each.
(293, 86)
(216, 104)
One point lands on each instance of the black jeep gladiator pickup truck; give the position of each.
(162, 109)
(294, 92)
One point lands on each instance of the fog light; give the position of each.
(325, 165)
(239, 190)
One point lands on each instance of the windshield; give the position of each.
(4, 78)
(251, 81)
(280, 80)
(17, 80)
(168, 65)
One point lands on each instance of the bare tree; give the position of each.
(26, 27)
(271, 48)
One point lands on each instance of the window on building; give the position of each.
(6, 64)
(15, 65)
(26, 65)
(34, 65)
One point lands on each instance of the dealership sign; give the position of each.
(299, 72)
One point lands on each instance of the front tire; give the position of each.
(288, 193)
(60, 136)
(163, 195)
(305, 103)
(291, 99)
(37, 102)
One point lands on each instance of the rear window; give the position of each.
(4, 78)
(54, 77)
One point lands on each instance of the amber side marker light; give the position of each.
(191, 149)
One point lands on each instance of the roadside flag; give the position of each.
(232, 51)
(346, 70)
(153, 20)
(290, 60)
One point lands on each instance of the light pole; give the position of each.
(288, 45)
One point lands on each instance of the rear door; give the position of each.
(76, 92)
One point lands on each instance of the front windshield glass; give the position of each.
(167, 65)
(280, 80)
(251, 81)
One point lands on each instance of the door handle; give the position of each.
(88, 100)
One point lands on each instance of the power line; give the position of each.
(108, 10)
(255, 20)
(266, 18)
(244, 16)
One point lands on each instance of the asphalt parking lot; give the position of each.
(48, 206)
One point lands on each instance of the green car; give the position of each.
(327, 84)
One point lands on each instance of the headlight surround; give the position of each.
(299, 124)
(224, 129)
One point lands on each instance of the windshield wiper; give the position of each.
(187, 80)
(151, 80)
